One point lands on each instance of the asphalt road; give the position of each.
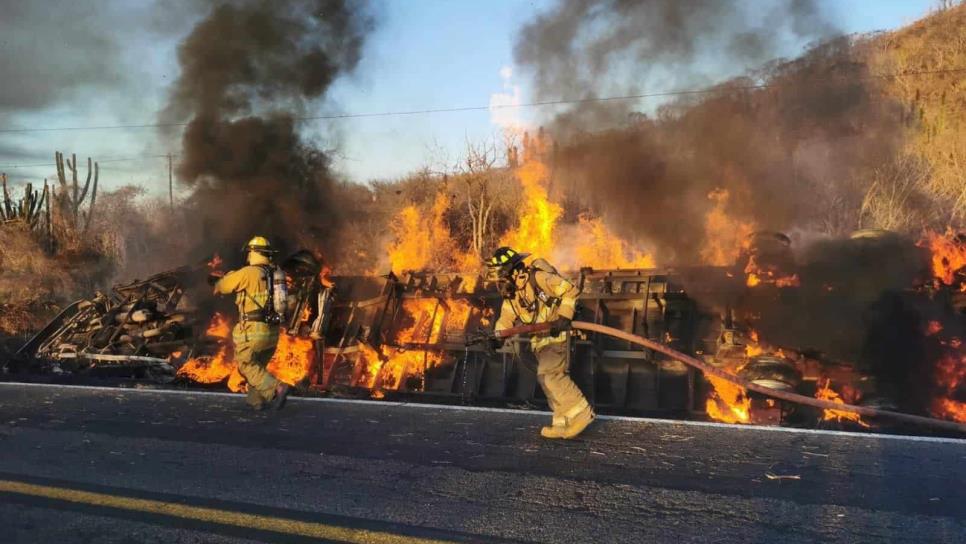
(111, 465)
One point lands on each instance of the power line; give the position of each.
(681, 92)
(93, 127)
(119, 159)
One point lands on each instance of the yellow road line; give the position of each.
(214, 515)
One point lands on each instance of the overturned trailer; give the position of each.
(374, 318)
(405, 337)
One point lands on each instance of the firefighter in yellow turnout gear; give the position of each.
(538, 294)
(255, 336)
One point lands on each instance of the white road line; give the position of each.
(541, 413)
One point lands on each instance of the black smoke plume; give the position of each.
(249, 71)
(582, 48)
(792, 142)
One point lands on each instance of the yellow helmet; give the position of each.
(504, 262)
(259, 244)
(506, 257)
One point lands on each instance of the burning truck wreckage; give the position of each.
(742, 325)
(727, 343)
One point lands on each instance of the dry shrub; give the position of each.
(32, 282)
(131, 235)
(138, 233)
(896, 200)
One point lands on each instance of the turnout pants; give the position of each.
(254, 346)
(565, 399)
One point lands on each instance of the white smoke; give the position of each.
(504, 106)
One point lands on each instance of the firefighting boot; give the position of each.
(281, 394)
(555, 429)
(583, 415)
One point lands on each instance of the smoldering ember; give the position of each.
(694, 279)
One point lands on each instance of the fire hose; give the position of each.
(727, 376)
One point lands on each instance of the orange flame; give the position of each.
(947, 408)
(728, 402)
(952, 370)
(948, 254)
(469, 283)
(724, 235)
(212, 369)
(758, 275)
(412, 249)
(325, 276)
(825, 392)
(291, 363)
(422, 239)
(431, 322)
(425, 241)
(753, 349)
(535, 232)
(950, 378)
(236, 382)
(219, 327)
(293, 359)
(603, 249)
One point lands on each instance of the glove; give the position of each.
(214, 277)
(559, 325)
(493, 343)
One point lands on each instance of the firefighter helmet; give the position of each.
(260, 244)
(506, 258)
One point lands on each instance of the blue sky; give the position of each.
(424, 54)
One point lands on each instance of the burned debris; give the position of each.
(132, 330)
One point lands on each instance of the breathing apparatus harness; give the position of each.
(507, 263)
(273, 311)
(270, 312)
(540, 295)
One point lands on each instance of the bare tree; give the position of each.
(943, 5)
(483, 180)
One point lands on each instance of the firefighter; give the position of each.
(260, 301)
(538, 294)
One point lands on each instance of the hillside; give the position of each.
(935, 105)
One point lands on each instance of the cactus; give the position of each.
(6, 210)
(28, 210)
(71, 197)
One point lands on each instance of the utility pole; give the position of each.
(170, 185)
